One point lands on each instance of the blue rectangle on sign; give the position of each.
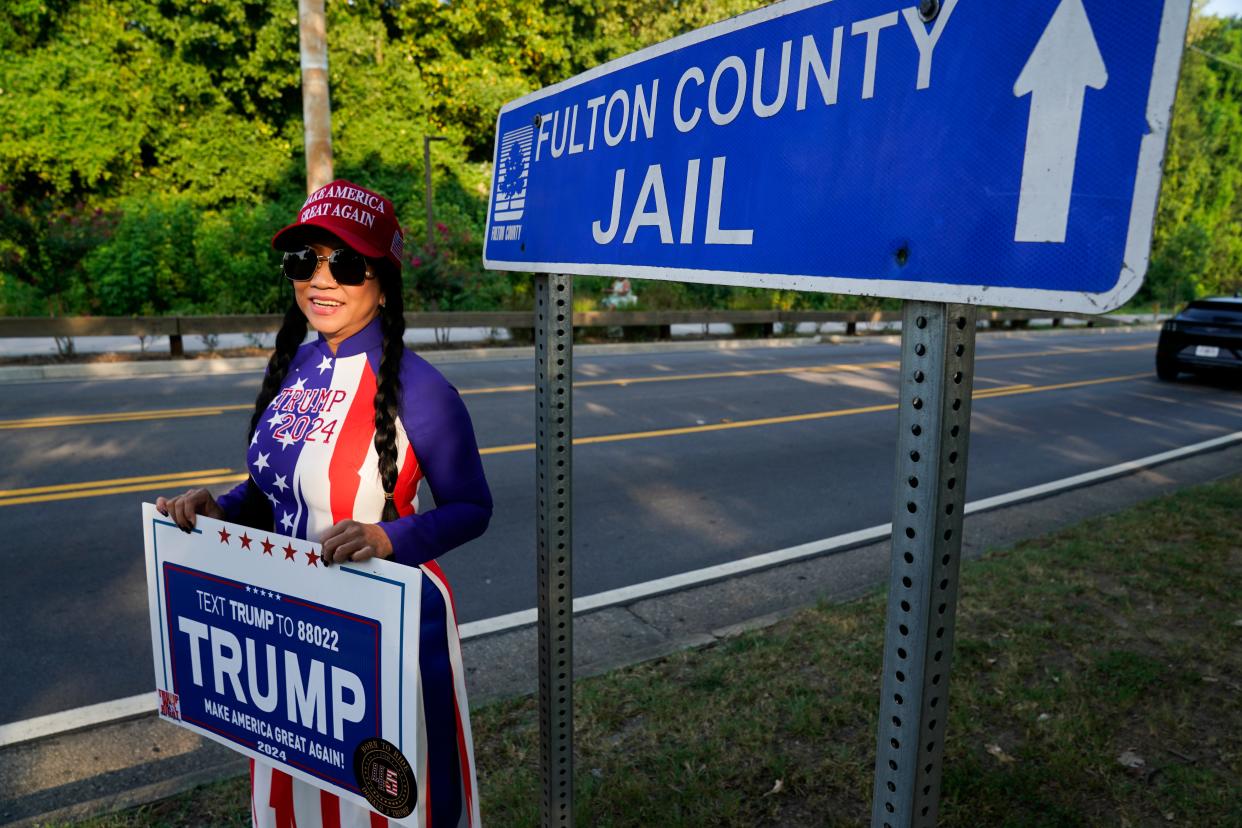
(285, 677)
(1002, 154)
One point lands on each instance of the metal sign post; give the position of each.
(937, 377)
(554, 347)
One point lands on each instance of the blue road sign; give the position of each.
(1001, 153)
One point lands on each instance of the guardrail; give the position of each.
(177, 327)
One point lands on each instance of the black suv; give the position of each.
(1205, 336)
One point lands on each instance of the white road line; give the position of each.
(54, 724)
(119, 709)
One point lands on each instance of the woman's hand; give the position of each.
(350, 540)
(183, 508)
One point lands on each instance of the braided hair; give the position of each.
(387, 386)
(388, 383)
(292, 333)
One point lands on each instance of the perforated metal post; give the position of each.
(554, 344)
(937, 375)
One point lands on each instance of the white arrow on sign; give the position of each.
(1065, 62)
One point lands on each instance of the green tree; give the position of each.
(1197, 245)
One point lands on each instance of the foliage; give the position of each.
(148, 148)
(1198, 240)
(448, 274)
(43, 249)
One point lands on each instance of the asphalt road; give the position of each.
(708, 459)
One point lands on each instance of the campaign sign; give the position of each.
(258, 646)
(991, 153)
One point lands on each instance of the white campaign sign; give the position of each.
(260, 647)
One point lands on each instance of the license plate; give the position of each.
(1207, 351)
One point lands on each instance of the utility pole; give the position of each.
(316, 112)
(427, 139)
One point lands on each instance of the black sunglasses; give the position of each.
(346, 266)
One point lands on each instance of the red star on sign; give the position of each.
(224, 536)
(312, 559)
(245, 541)
(290, 552)
(267, 546)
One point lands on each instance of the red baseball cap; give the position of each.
(362, 219)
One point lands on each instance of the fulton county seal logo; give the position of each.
(512, 174)
(385, 778)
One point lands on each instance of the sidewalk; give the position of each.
(124, 764)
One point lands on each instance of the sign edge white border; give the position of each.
(1166, 71)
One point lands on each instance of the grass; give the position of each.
(1119, 638)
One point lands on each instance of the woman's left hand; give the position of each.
(349, 540)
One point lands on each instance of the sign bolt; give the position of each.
(929, 9)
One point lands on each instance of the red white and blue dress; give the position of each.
(312, 463)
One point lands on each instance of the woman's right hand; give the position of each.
(183, 508)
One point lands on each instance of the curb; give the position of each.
(238, 365)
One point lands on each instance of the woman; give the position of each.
(344, 428)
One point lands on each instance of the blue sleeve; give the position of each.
(231, 502)
(439, 428)
(245, 504)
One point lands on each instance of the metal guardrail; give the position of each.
(177, 327)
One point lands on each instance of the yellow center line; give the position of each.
(215, 410)
(1031, 389)
(208, 477)
(119, 481)
(757, 372)
(120, 416)
(1065, 352)
(1000, 391)
(843, 367)
(1025, 388)
(140, 487)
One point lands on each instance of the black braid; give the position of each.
(292, 333)
(388, 385)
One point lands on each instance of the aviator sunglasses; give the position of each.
(346, 266)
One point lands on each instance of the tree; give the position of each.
(1197, 245)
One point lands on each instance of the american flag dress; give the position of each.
(312, 463)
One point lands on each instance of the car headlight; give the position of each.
(1170, 326)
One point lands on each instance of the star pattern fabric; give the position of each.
(325, 470)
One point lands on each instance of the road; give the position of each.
(684, 460)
